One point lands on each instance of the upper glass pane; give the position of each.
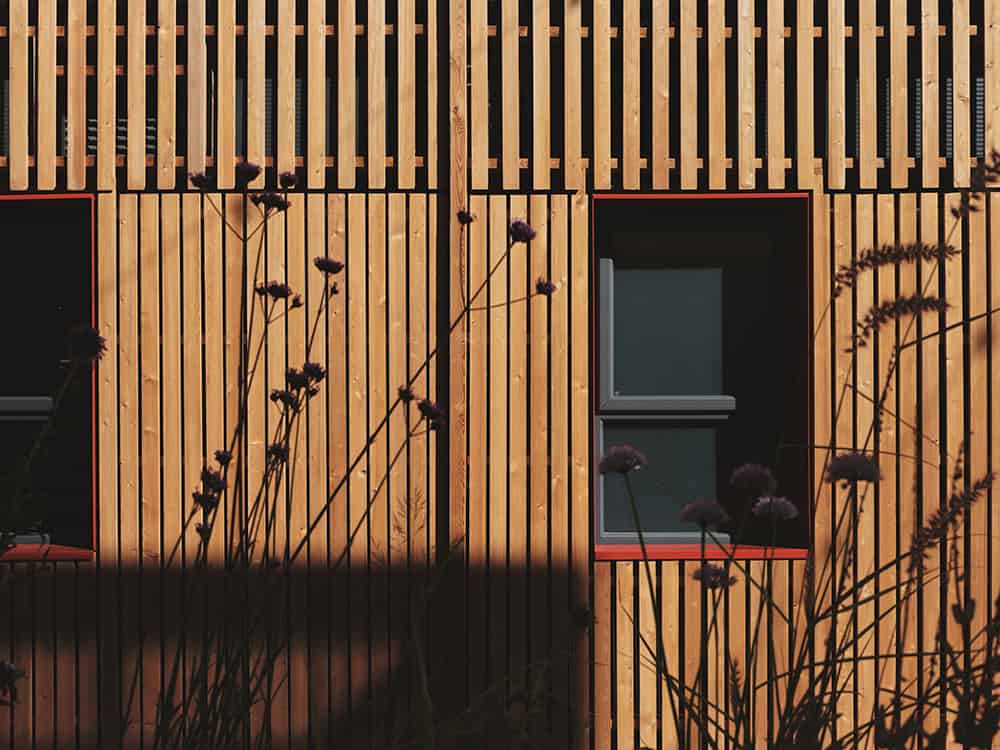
(667, 329)
(681, 469)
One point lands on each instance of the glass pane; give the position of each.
(57, 493)
(681, 468)
(667, 331)
(48, 268)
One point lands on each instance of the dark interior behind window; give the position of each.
(710, 297)
(48, 261)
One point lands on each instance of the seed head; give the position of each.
(754, 480)
(852, 467)
(207, 501)
(521, 231)
(621, 459)
(778, 508)
(246, 172)
(329, 266)
(213, 480)
(288, 180)
(201, 180)
(544, 287)
(713, 576)
(707, 514)
(86, 344)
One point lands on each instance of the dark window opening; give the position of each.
(57, 498)
(703, 359)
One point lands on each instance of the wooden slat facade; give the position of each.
(673, 96)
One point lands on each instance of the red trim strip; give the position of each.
(693, 552)
(47, 552)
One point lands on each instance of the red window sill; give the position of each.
(694, 552)
(47, 553)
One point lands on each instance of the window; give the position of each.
(703, 331)
(49, 269)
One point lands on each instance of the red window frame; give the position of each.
(712, 551)
(58, 552)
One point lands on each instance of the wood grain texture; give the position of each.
(256, 81)
(775, 94)
(574, 171)
(166, 95)
(316, 82)
(898, 96)
(836, 134)
(961, 147)
(601, 40)
(930, 97)
(76, 96)
(197, 89)
(510, 94)
(17, 77)
(45, 115)
(746, 96)
(375, 36)
(347, 114)
(716, 91)
(541, 116)
(688, 97)
(135, 95)
(660, 94)
(805, 52)
(868, 83)
(225, 95)
(630, 97)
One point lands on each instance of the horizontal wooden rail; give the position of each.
(491, 30)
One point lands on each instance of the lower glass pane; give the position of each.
(682, 467)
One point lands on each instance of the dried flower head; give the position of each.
(544, 287)
(852, 467)
(941, 520)
(213, 480)
(86, 344)
(707, 514)
(328, 266)
(465, 218)
(207, 501)
(277, 452)
(200, 180)
(9, 675)
(205, 532)
(754, 480)
(288, 180)
(713, 576)
(286, 398)
(434, 414)
(890, 255)
(405, 394)
(521, 231)
(891, 310)
(621, 459)
(296, 301)
(270, 201)
(777, 508)
(314, 371)
(246, 172)
(223, 457)
(276, 290)
(334, 289)
(296, 378)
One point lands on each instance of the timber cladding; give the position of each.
(880, 110)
